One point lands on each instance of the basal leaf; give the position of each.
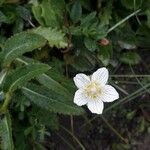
(6, 133)
(22, 75)
(51, 80)
(51, 101)
(20, 44)
(53, 36)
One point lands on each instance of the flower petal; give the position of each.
(81, 80)
(101, 75)
(80, 98)
(96, 106)
(109, 94)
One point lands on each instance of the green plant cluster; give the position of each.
(44, 43)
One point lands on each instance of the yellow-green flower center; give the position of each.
(92, 90)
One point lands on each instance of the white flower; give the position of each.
(93, 90)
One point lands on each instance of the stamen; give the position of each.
(92, 90)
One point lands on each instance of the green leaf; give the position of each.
(143, 37)
(7, 16)
(88, 18)
(49, 12)
(148, 17)
(132, 58)
(106, 13)
(51, 101)
(20, 44)
(90, 44)
(52, 80)
(51, 120)
(55, 37)
(6, 133)
(76, 12)
(104, 54)
(21, 75)
(51, 84)
(84, 62)
(23, 12)
(86, 4)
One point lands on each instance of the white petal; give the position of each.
(101, 75)
(109, 94)
(80, 98)
(96, 106)
(81, 80)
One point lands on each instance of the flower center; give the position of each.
(92, 90)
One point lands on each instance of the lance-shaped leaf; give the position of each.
(51, 84)
(49, 81)
(6, 133)
(19, 44)
(22, 75)
(51, 101)
(55, 37)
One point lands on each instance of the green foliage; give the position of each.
(90, 44)
(48, 12)
(6, 133)
(21, 75)
(105, 54)
(50, 101)
(53, 36)
(71, 37)
(51, 120)
(20, 44)
(76, 12)
(131, 58)
(106, 14)
(53, 85)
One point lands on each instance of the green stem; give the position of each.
(119, 88)
(131, 76)
(62, 138)
(4, 107)
(141, 84)
(123, 20)
(113, 129)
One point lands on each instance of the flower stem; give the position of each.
(114, 130)
(131, 76)
(75, 138)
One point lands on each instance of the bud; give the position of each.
(104, 42)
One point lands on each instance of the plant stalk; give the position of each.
(4, 107)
